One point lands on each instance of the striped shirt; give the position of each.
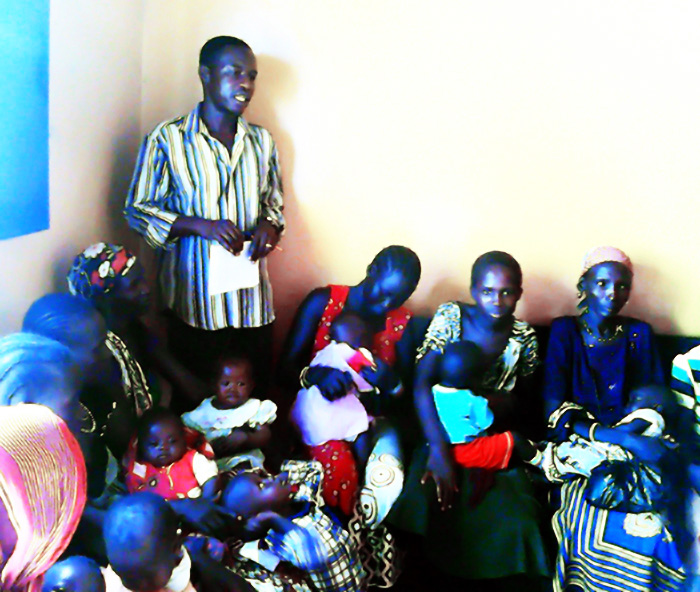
(685, 382)
(182, 170)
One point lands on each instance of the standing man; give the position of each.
(205, 177)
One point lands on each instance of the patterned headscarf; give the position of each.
(96, 269)
(605, 255)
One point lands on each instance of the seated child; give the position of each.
(286, 513)
(236, 425)
(320, 420)
(466, 416)
(75, 574)
(579, 454)
(169, 459)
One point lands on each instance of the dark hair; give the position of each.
(346, 316)
(398, 258)
(461, 364)
(154, 415)
(56, 315)
(135, 523)
(211, 48)
(496, 258)
(237, 354)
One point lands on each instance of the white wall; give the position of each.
(542, 128)
(94, 127)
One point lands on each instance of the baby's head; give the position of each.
(143, 540)
(647, 397)
(350, 328)
(461, 365)
(161, 437)
(250, 493)
(75, 574)
(234, 380)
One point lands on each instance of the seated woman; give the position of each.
(595, 360)
(391, 278)
(111, 278)
(43, 483)
(76, 324)
(498, 535)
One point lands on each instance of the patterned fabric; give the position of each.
(384, 342)
(217, 423)
(519, 358)
(340, 478)
(182, 170)
(577, 457)
(133, 379)
(182, 479)
(607, 551)
(341, 571)
(43, 487)
(95, 271)
(685, 382)
(599, 255)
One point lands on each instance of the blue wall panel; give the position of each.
(24, 117)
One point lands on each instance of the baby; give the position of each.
(466, 416)
(75, 574)
(236, 425)
(581, 453)
(144, 547)
(320, 420)
(287, 511)
(169, 459)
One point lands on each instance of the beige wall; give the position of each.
(540, 128)
(95, 94)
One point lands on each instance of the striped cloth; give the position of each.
(182, 170)
(685, 382)
(43, 488)
(608, 551)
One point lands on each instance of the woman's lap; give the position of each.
(498, 537)
(608, 551)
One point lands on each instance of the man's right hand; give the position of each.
(224, 232)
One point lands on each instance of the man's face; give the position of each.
(229, 82)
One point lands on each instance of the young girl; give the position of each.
(236, 425)
(287, 513)
(170, 460)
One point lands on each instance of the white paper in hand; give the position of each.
(228, 272)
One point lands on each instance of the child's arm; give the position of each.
(636, 426)
(210, 489)
(211, 576)
(241, 440)
(646, 449)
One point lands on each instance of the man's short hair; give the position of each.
(212, 47)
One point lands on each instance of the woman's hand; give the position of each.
(647, 450)
(332, 383)
(440, 469)
(382, 376)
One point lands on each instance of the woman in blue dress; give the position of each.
(595, 360)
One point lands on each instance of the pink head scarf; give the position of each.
(599, 255)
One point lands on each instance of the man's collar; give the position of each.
(194, 124)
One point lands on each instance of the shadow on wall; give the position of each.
(125, 148)
(293, 270)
